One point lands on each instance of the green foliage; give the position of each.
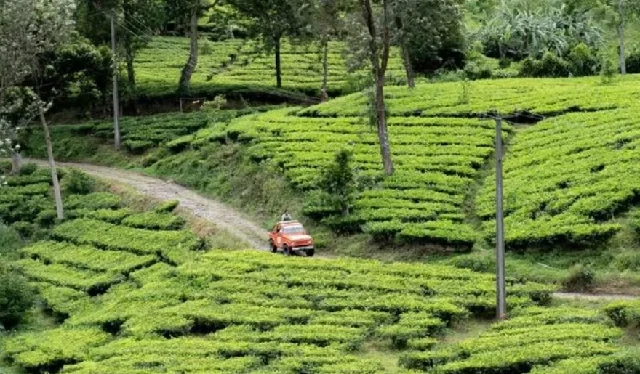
(338, 183)
(16, 297)
(573, 199)
(9, 242)
(624, 313)
(627, 362)
(167, 206)
(240, 68)
(28, 168)
(633, 62)
(522, 343)
(581, 278)
(432, 31)
(154, 221)
(78, 183)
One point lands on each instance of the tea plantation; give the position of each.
(138, 293)
(241, 66)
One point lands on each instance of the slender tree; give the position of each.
(37, 26)
(272, 21)
(617, 14)
(379, 46)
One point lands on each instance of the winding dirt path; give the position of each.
(213, 211)
(229, 219)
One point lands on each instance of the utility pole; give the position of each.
(501, 290)
(116, 106)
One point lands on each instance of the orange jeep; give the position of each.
(291, 238)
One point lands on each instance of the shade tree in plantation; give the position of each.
(136, 22)
(617, 14)
(29, 29)
(326, 20)
(273, 20)
(371, 39)
(429, 34)
(188, 12)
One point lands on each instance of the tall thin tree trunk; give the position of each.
(379, 68)
(325, 64)
(15, 152)
(623, 63)
(406, 55)
(278, 62)
(131, 71)
(192, 62)
(381, 117)
(408, 66)
(52, 164)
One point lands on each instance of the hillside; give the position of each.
(135, 291)
(240, 66)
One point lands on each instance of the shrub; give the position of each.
(580, 278)
(551, 65)
(338, 181)
(583, 61)
(479, 262)
(626, 362)
(629, 260)
(16, 297)
(28, 169)
(78, 183)
(167, 206)
(633, 62)
(9, 242)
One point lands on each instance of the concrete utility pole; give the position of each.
(501, 290)
(116, 106)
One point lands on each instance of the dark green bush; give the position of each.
(551, 65)
(28, 169)
(167, 206)
(480, 262)
(78, 183)
(5, 166)
(581, 278)
(626, 362)
(628, 260)
(16, 297)
(9, 242)
(583, 61)
(633, 62)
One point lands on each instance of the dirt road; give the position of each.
(213, 211)
(226, 217)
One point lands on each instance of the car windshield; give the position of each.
(297, 229)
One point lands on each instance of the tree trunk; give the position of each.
(325, 63)
(381, 119)
(406, 55)
(408, 66)
(52, 164)
(131, 72)
(192, 62)
(623, 63)
(278, 62)
(379, 68)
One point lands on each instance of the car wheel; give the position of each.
(287, 251)
(274, 249)
(311, 252)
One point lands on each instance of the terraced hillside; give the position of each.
(440, 146)
(237, 65)
(136, 292)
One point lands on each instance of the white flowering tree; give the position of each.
(28, 29)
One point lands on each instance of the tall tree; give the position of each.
(325, 20)
(379, 46)
(37, 27)
(617, 13)
(136, 22)
(188, 12)
(272, 21)
(430, 34)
